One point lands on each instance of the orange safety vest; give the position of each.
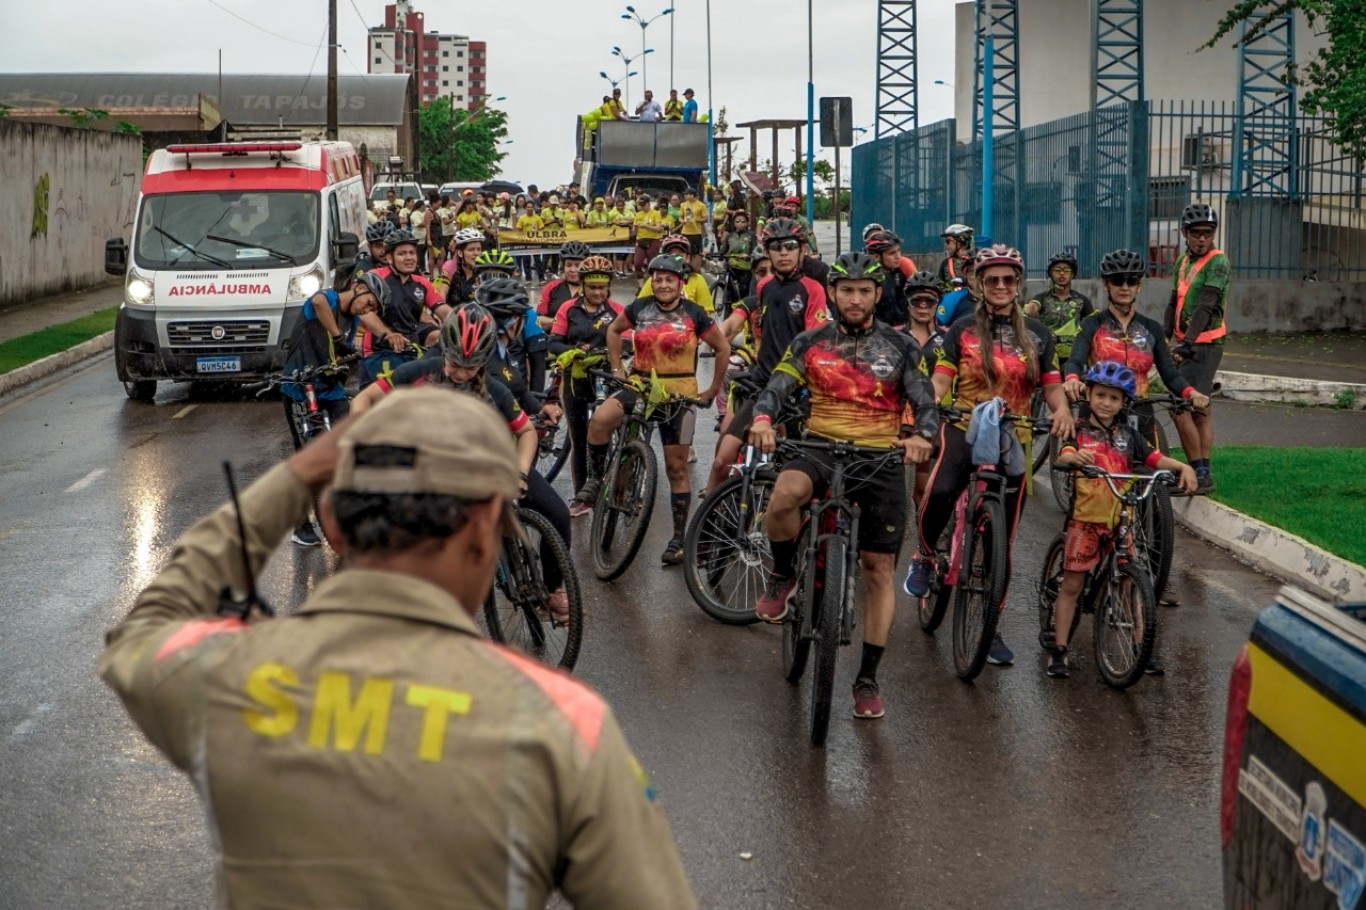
(1184, 279)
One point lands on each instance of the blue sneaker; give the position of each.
(917, 583)
(999, 654)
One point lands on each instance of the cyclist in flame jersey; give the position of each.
(995, 352)
(861, 374)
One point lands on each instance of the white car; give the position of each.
(406, 190)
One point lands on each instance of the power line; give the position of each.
(304, 87)
(259, 28)
(385, 50)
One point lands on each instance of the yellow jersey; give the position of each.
(648, 225)
(693, 215)
(529, 223)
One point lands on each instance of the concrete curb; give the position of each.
(1256, 387)
(1271, 549)
(53, 363)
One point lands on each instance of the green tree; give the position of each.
(460, 144)
(1334, 80)
(824, 171)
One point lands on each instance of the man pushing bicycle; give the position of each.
(860, 374)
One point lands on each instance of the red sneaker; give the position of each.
(867, 701)
(772, 604)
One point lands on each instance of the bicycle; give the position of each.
(1118, 591)
(973, 567)
(553, 442)
(517, 610)
(1155, 529)
(821, 606)
(726, 558)
(310, 421)
(621, 515)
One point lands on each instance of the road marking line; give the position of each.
(85, 481)
(183, 411)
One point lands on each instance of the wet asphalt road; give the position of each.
(1018, 791)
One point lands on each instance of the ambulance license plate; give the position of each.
(218, 364)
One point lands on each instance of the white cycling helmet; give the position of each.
(468, 235)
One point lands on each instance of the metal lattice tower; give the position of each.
(898, 107)
(1000, 19)
(1117, 82)
(1266, 134)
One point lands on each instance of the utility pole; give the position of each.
(332, 69)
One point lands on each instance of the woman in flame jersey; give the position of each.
(995, 352)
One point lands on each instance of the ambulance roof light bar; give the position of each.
(240, 149)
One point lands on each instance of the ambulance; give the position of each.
(229, 241)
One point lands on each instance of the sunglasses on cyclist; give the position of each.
(925, 300)
(1124, 281)
(1000, 281)
(1200, 233)
(787, 246)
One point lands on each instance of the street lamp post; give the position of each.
(644, 23)
(617, 52)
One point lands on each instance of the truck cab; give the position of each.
(229, 241)
(1293, 807)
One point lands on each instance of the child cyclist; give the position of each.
(1102, 438)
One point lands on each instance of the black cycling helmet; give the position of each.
(575, 249)
(397, 238)
(881, 241)
(1062, 257)
(923, 282)
(782, 229)
(505, 298)
(1197, 214)
(856, 265)
(376, 232)
(375, 285)
(468, 336)
(674, 265)
(1122, 262)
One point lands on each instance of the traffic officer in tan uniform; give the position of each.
(373, 749)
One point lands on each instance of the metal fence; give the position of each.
(1119, 177)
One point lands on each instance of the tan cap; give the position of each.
(429, 440)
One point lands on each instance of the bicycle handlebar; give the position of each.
(1035, 424)
(612, 379)
(841, 449)
(338, 368)
(1148, 482)
(1175, 403)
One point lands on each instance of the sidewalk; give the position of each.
(22, 318)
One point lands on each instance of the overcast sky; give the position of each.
(544, 55)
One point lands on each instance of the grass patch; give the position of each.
(25, 349)
(1318, 494)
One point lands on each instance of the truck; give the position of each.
(667, 157)
(1293, 803)
(228, 242)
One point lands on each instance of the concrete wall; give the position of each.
(1260, 305)
(66, 191)
(1055, 56)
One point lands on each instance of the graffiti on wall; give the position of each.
(40, 195)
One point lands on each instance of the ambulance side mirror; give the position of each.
(345, 249)
(116, 256)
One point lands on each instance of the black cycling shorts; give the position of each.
(881, 500)
(1199, 369)
(678, 421)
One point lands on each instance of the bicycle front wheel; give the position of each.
(930, 610)
(1125, 626)
(1038, 408)
(553, 454)
(621, 515)
(1155, 537)
(797, 650)
(518, 613)
(981, 580)
(726, 553)
(826, 624)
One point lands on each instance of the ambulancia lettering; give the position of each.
(193, 290)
